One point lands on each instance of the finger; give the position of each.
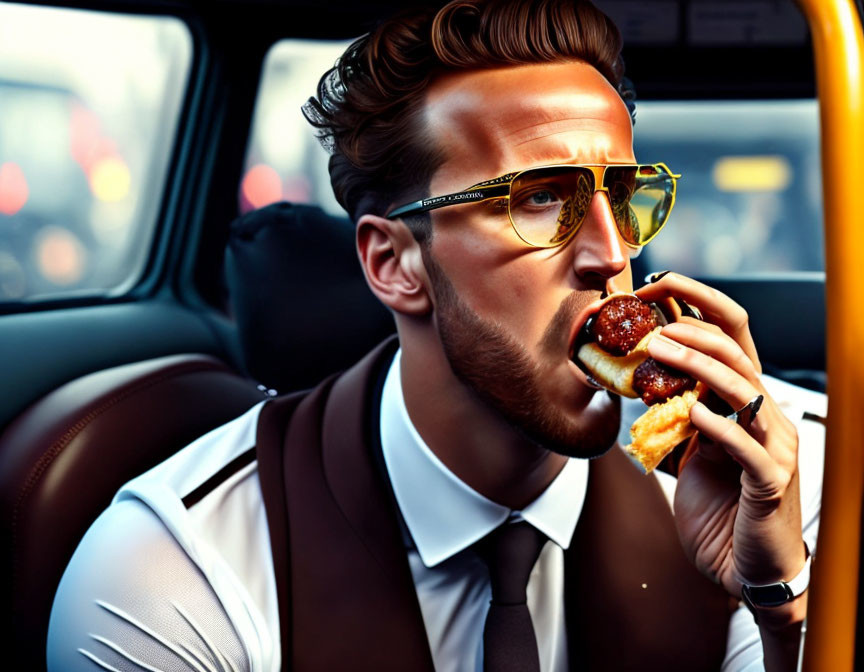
(716, 344)
(727, 383)
(740, 446)
(715, 306)
(701, 324)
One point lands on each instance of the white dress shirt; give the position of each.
(445, 517)
(156, 586)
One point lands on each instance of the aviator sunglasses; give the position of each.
(547, 205)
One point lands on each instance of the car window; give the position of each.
(284, 160)
(89, 104)
(749, 199)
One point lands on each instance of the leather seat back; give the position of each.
(303, 311)
(63, 459)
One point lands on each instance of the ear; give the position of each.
(393, 265)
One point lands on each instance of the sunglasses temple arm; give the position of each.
(468, 196)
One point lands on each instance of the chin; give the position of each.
(587, 433)
(551, 404)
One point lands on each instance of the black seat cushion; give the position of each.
(302, 305)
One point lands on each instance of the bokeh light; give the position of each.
(110, 179)
(752, 173)
(298, 189)
(60, 256)
(84, 134)
(89, 103)
(13, 188)
(261, 186)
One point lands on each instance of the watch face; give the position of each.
(769, 596)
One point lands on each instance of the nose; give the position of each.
(600, 256)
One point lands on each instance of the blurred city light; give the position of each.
(749, 199)
(89, 102)
(60, 255)
(298, 189)
(281, 138)
(261, 186)
(752, 173)
(84, 135)
(110, 179)
(13, 188)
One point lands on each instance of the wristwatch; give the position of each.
(776, 594)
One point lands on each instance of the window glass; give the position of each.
(88, 110)
(749, 199)
(285, 160)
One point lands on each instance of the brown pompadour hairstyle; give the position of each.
(368, 110)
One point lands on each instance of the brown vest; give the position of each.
(345, 593)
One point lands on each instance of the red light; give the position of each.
(298, 189)
(261, 186)
(84, 135)
(13, 189)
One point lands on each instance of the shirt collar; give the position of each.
(442, 513)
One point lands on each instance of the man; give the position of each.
(384, 509)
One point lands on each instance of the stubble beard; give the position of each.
(502, 374)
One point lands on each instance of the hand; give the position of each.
(737, 505)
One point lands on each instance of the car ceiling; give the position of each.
(748, 55)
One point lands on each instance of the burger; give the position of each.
(612, 349)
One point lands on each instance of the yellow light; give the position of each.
(110, 179)
(752, 173)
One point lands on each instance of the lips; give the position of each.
(581, 334)
(581, 326)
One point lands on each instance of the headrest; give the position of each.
(302, 305)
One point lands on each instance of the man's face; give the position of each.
(507, 313)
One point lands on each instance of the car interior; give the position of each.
(232, 294)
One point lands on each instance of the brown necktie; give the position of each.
(509, 643)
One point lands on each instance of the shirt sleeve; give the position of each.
(131, 599)
(744, 645)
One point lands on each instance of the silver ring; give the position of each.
(747, 414)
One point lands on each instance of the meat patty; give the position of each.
(655, 382)
(621, 323)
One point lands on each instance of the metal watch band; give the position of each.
(775, 594)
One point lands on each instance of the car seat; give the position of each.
(303, 311)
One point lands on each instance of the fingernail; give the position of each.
(687, 310)
(654, 277)
(698, 409)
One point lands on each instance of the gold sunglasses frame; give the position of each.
(499, 187)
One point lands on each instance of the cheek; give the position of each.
(474, 253)
(500, 280)
(474, 268)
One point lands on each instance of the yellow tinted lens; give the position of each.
(547, 205)
(642, 214)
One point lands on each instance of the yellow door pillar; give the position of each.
(838, 51)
